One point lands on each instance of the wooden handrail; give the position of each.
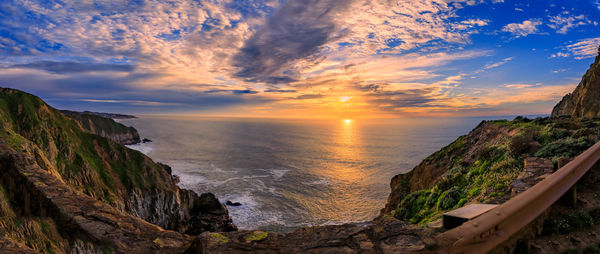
(489, 230)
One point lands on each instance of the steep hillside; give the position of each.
(105, 127)
(584, 101)
(40, 213)
(483, 166)
(103, 169)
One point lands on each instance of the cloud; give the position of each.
(523, 29)
(308, 97)
(565, 21)
(296, 31)
(497, 64)
(399, 99)
(520, 86)
(241, 92)
(559, 54)
(392, 56)
(301, 34)
(280, 91)
(584, 48)
(75, 67)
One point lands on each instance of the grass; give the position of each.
(26, 119)
(571, 222)
(495, 166)
(256, 236)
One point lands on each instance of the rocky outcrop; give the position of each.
(183, 211)
(381, 236)
(105, 127)
(584, 101)
(89, 225)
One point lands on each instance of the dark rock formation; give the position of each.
(584, 101)
(229, 203)
(146, 140)
(105, 127)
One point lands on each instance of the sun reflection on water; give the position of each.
(347, 154)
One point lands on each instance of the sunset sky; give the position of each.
(301, 58)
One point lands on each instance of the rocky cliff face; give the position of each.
(103, 169)
(42, 213)
(485, 165)
(585, 100)
(105, 127)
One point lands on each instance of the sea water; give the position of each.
(292, 173)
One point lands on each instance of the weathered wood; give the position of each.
(461, 215)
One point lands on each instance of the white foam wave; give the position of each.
(250, 215)
(318, 182)
(279, 173)
(144, 148)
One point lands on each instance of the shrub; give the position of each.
(520, 144)
(448, 199)
(568, 147)
(591, 250)
(568, 223)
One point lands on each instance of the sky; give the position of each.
(301, 58)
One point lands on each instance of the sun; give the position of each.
(347, 121)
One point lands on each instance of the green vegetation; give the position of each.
(218, 238)
(256, 236)
(572, 221)
(86, 161)
(484, 175)
(91, 121)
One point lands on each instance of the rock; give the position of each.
(584, 101)
(387, 235)
(229, 203)
(210, 204)
(534, 170)
(145, 140)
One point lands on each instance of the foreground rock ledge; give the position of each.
(385, 235)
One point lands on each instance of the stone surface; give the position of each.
(584, 101)
(381, 236)
(534, 170)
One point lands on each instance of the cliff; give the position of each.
(486, 165)
(39, 212)
(584, 101)
(97, 168)
(105, 127)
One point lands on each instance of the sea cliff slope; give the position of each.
(103, 169)
(105, 127)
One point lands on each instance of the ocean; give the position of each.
(292, 173)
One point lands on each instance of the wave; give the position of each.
(144, 148)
